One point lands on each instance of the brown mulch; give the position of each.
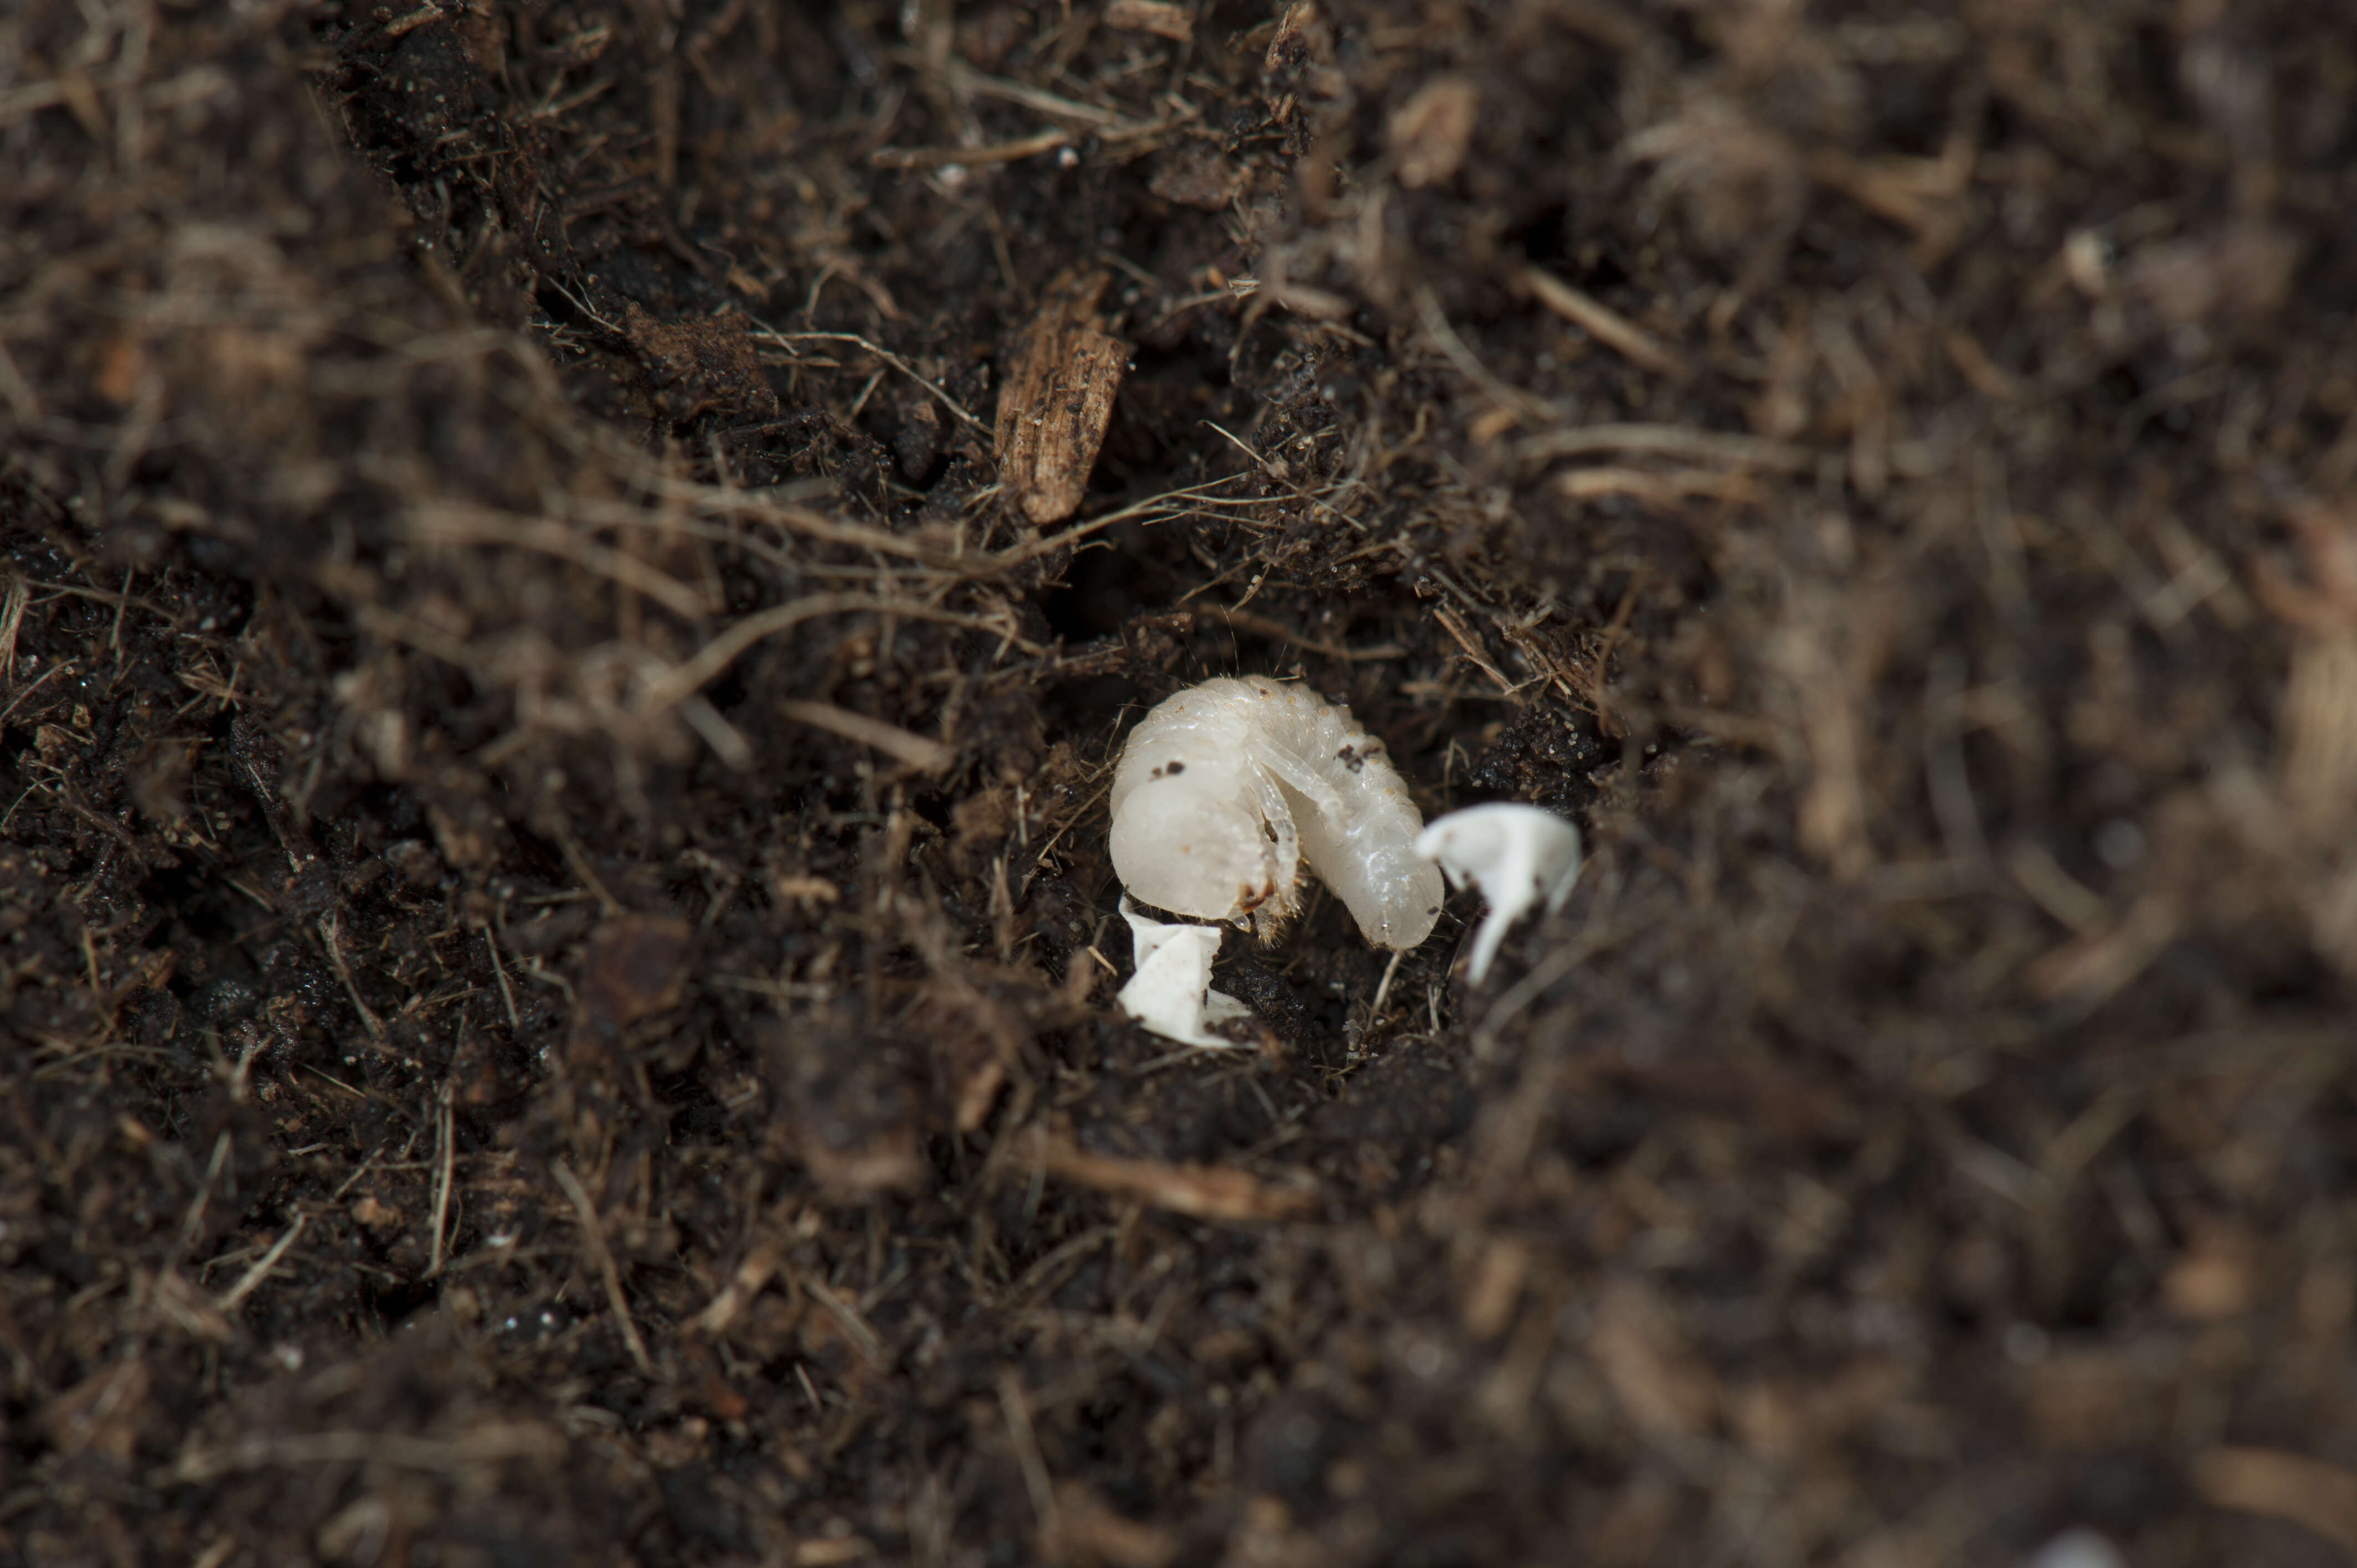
(570, 573)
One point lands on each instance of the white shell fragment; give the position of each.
(1514, 855)
(1170, 994)
(1226, 788)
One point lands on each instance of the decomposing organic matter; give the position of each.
(573, 575)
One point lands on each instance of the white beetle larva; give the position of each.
(1224, 789)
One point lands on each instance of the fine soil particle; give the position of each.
(571, 574)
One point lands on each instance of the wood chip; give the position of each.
(1087, 1529)
(2308, 1492)
(1156, 16)
(2319, 733)
(701, 364)
(893, 741)
(2091, 969)
(635, 968)
(593, 1239)
(2090, 1401)
(1022, 148)
(1057, 399)
(1299, 63)
(1660, 1383)
(1495, 1288)
(100, 1413)
(1432, 132)
(2217, 1277)
(1207, 1192)
(470, 1454)
(1599, 321)
(1196, 173)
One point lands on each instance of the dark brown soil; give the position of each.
(555, 948)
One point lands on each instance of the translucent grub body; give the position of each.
(1224, 791)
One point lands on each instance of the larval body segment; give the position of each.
(1226, 788)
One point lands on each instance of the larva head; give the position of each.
(1188, 837)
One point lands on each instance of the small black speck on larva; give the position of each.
(1176, 769)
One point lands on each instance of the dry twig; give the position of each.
(593, 1236)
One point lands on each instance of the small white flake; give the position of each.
(1171, 993)
(1514, 855)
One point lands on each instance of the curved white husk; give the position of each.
(1171, 993)
(1515, 854)
(1226, 788)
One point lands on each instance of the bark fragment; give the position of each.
(1057, 399)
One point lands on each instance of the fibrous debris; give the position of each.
(1156, 17)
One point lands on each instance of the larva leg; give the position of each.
(1267, 915)
(1277, 812)
(1307, 782)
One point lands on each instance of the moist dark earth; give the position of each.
(556, 952)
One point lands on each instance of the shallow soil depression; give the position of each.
(572, 576)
